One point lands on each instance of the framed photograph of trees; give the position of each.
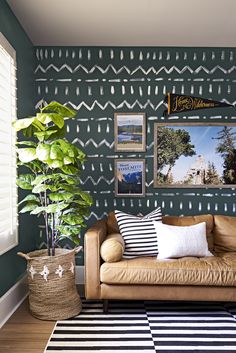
(129, 177)
(194, 155)
(130, 132)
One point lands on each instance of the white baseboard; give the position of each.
(79, 274)
(12, 299)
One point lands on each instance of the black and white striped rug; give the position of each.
(147, 327)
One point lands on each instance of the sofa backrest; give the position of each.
(220, 229)
(224, 233)
(191, 220)
(113, 227)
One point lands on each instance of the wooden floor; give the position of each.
(24, 334)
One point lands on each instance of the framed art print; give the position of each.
(130, 132)
(192, 155)
(129, 177)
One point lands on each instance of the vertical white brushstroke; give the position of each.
(101, 91)
(77, 91)
(131, 55)
(112, 54)
(121, 55)
(112, 90)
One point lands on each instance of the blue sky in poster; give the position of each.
(202, 137)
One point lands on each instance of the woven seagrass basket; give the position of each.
(52, 290)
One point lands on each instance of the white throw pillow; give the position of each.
(176, 241)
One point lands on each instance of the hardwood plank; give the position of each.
(25, 334)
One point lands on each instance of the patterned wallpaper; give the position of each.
(100, 81)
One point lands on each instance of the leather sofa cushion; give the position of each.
(225, 233)
(112, 249)
(217, 270)
(191, 220)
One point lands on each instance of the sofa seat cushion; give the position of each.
(217, 270)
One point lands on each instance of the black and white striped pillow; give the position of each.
(139, 234)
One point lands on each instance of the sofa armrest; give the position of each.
(92, 243)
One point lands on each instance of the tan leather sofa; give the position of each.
(146, 278)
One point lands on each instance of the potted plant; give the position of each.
(53, 168)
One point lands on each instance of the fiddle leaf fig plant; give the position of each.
(54, 165)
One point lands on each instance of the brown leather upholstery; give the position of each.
(225, 233)
(141, 292)
(92, 242)
(113, 247)
(214, 271)
(191, 220)
(219, 271)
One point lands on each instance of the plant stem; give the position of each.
(53, 234)
(46, 224)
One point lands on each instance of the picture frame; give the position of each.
(130, 177)
(194, 155)
(130, 132)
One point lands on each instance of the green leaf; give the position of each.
(56, 152)
(38, 210)
(53, 208)
(72, 219)
(30, 197)
(41, 188)
(54, 163)
(57, 134)
(59, 108)
(44, 135)
(86, 197)
(68, 160)
(29, 207)
(46, 118)
(24, 181)
(26, 154)
(70, 180)
(43, 151)
(69, 169)
(60, 196)
(26, 143)
(21, 124)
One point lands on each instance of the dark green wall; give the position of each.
(12, 267)
(100, 81)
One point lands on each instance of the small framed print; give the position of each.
(130, 132)
(130, 177)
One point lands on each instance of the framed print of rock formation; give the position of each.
(130, 132)
(194, 155)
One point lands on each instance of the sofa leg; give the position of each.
(105, 306)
